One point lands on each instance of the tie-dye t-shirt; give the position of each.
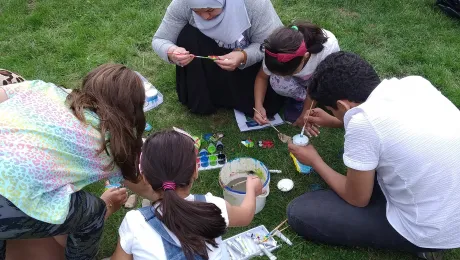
(46, 153)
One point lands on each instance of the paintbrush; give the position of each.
(277, 227)
(267, 120)
(306, 120)
(207, 57)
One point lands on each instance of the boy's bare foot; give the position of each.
(114, 198)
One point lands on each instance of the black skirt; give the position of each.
(203, 86)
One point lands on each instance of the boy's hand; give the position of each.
(319, 117)
(261, 119)
(255, 184)
(305, 154)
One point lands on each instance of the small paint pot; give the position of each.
(198, 161)
(151, 95)
(204, 161)
(221, 158)
(211, 148)
(148, 127)
(300, 140)
(213, 160)
(285, 185)
(219, 146)
(203, 152)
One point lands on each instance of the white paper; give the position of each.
(241, 120)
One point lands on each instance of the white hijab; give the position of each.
(227, 27)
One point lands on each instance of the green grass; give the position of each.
(61, 40)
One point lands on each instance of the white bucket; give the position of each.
(237, 169)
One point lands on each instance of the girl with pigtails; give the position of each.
(292, 54)
(179, 225)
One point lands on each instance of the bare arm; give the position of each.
(355, 188)
(260, 88)
(3, 96)
(120, 254)
(240, 216)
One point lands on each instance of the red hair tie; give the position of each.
(169, 185)
(285, 57)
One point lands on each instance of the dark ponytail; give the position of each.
(170, 157)
(287, 40)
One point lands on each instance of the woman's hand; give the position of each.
(179, 56)
(261, 118)
(230, 61)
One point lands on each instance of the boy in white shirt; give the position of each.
(389, 137)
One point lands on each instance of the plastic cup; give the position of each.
(220, 146)
(221, 158)
(211, 148)
(213, 160)
(203, 152)
(204, 161)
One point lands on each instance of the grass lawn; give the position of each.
(61, 40)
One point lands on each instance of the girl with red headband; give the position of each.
(179, 225)
(291, 56)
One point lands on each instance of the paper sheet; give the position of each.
(248, 124)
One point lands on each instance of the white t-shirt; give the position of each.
(410, 134)
(139, 239)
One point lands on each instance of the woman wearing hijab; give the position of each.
(230, 29)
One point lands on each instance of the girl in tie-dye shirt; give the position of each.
(52, 144)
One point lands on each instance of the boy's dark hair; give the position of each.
(169, 156)
(117, 95)
(288, 40)
(342, 75)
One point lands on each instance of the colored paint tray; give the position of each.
(211, 161)
(251, 248)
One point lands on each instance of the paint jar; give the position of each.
(300, 140)
(238, 169)
(213, 160)
(151, 95)
(211, 148)
(219, 146)
(198, 161)
(204, 161)
(203, 152)
(148, 127)
(221, 158)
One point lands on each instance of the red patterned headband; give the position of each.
(285, 57)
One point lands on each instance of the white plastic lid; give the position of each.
(285, 185)
(147, 85)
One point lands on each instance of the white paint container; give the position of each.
(151, 95)
(300, 140)
(237, 169)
